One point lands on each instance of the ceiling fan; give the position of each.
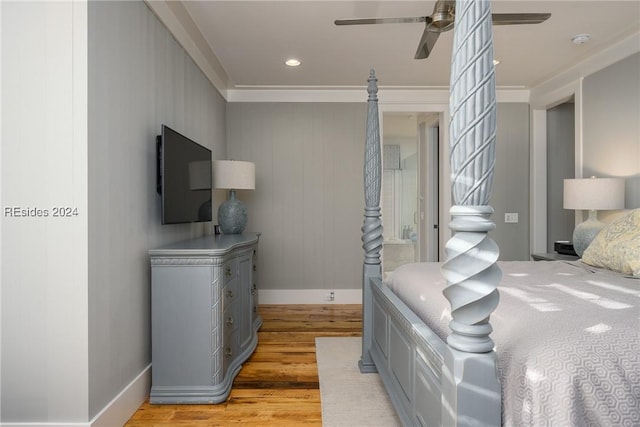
(442, 20)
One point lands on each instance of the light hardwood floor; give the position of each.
(278, 385)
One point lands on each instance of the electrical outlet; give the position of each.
(511, 218)
(330, 296)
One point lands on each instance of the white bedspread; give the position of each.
(567, 337)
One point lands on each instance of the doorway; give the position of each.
(560, 166)
(410, 188)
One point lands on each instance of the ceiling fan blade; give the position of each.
(427, 42)
(519, 18)
(441, 20)
(362, 21)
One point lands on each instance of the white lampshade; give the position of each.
(234, 175)
(594, 194)
(200, 175)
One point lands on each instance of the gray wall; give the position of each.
(308, 201)
(560, 165)
(139, 78)
(611, 132)
(511, 181)
(86, 87)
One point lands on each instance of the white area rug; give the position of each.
(349, 398)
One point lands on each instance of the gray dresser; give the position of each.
(204, 316)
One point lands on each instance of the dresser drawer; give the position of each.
(230, 318)
(229, 271)
(229, 294)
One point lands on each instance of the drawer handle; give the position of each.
(230, 293)
(228, 271)
(228, 352)
(229, 320)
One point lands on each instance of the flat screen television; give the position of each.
(183, 178)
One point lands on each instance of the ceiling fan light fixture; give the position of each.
(292, 62)
(443, 16)
(441, 26)
(441, 21)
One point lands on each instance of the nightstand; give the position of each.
(553, 256)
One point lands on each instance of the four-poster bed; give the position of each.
(437, 360)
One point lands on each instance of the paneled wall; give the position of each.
(511, 181)
(86, 87)
(308, 202)
(139, 78)
(611, 134)
(44, 255)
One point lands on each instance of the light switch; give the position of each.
(511, 218)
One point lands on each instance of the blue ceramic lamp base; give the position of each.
(585, 232)
(232, 215)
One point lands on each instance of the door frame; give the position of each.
(540, 103)
(444, 180)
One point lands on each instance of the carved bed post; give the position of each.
(470, 383)
(372, 227)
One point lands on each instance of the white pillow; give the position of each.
(617, 246)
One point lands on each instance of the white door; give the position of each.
(428, 226)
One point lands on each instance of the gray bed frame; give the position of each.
(432, 382)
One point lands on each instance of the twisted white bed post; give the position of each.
(470, 383)
(372, 228)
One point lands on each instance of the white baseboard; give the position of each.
(116, 413)
(126, 403)
(309, 296)
(38, 424)
(45, 424)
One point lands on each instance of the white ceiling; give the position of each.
(252, 39)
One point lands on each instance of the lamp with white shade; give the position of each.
(233, 175)
(592, 194)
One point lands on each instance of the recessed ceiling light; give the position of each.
(292, 62)
(580, 38)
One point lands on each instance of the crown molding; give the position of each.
(177, 20)
(387, 95)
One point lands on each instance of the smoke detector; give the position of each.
(580, 39)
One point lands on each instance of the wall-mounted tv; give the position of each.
(183, 178)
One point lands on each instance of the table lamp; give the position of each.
(592, 194)
(233, 175)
